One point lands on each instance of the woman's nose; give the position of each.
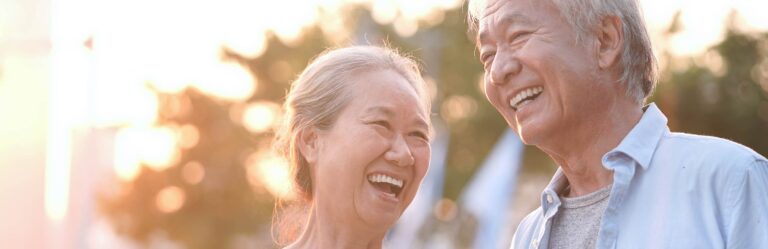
(399, 153)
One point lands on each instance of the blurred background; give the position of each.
(147, 124)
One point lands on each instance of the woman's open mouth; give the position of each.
(387, 184)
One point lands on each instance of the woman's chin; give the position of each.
(376, 215)
(377, 218)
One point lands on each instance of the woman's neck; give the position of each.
(323, 232)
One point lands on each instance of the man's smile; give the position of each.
(525, 96)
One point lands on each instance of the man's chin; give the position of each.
(527, 134)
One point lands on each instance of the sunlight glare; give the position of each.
(406, 27)
(753, 13)
(384, 11)
(159, 149)
(122, 99)
(702, 26)
(156, 147)
(227, 81)
(271, 172)
(127, 157)
(57, 170)
(243, 26)
(415, 10)
(260, 116)
(287, 18)
(702, 22)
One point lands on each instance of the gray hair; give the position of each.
(322, 91)
(637, 62)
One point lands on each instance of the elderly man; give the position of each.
(571, 78)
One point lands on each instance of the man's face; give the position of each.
(537, 76)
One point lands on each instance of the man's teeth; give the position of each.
(523, 95)
(386, 179)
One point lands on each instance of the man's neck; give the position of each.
(579, 152)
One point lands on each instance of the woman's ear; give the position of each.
(308, 144)
(610, 37)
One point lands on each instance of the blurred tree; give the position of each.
(224, 205)
(722, 93)
(702, 97)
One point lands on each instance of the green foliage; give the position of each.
(720, 94)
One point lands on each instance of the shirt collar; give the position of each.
(641, 142)
(549, 197)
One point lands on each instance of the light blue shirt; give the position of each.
(670, 190)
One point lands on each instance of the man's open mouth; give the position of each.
(525, 96)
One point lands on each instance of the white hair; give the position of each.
(637, 62)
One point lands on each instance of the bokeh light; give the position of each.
(261, 116)
(188, 136)
(458, 107)
(272, 173)
(193, 172)
(155, 147)
(127, 158)
(126, 67)
(227, 81)
(170, 199)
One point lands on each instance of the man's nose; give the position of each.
(399, 153)
(503, 68)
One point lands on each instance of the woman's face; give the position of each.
(371, 162)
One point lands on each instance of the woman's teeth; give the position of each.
(387, 184)
(524, 96)
(381, 178)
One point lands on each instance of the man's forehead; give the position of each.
(500, 20)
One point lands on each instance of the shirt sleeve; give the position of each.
(748, 227)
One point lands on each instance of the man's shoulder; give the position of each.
(712, 159)
(530, 220)
(708, 149)
(527, 228)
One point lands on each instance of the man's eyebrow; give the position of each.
(421, 124)
(515, 18)
(505, 21)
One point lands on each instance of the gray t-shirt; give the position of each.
(577, 223)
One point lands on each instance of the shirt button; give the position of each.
(549, 199)
(535, 243)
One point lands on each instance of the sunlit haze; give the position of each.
(133, 48)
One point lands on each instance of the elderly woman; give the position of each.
(356, 134)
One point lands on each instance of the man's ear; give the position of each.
(308, 144)
(610, 38)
